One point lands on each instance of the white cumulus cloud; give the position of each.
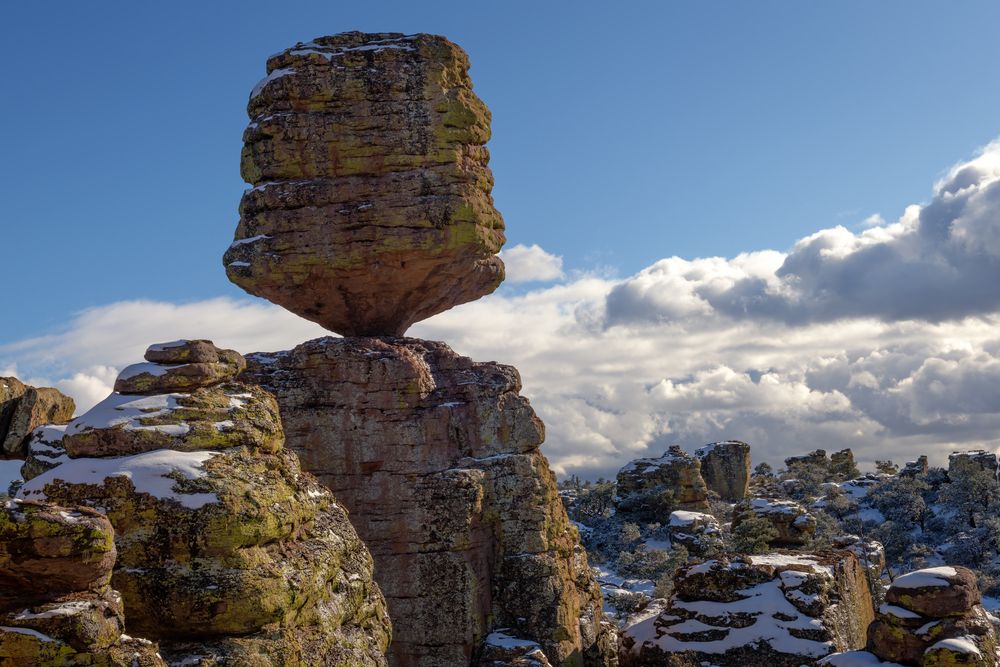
(531, 263)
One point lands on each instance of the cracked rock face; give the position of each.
(23, 408)
(371, 207)
(437, 459)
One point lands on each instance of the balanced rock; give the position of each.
(725, 467)
(794, 525)
(227, 551)
(931, 618)
(56, 604)
(24, 408)
(180, 366)
(371, 206)
(437, 458)
(651, 488)
(771, 610)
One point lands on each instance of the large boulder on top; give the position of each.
(725, 467)
(936, 591)
(227, 550)
(771, 610)
(371, 206)
(653, 487)
(437, 458)
(24, 408)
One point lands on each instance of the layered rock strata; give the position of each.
(931, 618)
(771, 610)
(725, 467)
(24, 408)
(227, 551)
(56, 603)
(651, 488)
(437, 457)
(371, 206)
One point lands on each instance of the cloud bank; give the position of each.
(885, 340)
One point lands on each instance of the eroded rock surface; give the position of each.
(227, 551)
(437, 457)
(371, 206)
(772, 610)
(794, 525)
(24, 408)
(56, 604)
(725, 467)
(651, 488)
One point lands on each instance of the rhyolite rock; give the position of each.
(931, 618)
(371, 206)
(180, 366)
(725, 467)
(780, 609)
(23, 408)
(795, 526)
(227, 551)
(651, 488)
(56, 604)
(437, 458)
(698, 532)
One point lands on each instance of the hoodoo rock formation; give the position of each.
(371, 210)
(371, 206)
(227, 552)
(725, 467)
(23, 408)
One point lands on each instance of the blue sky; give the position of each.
(770, 221)
(621, 134)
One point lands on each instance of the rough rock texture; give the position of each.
(794, 524)
(931, 618)
(502, 650)
(725, 467)
(974, 459)
(772, 610)
(871, 553)
(371, 206)
(56, 605)
(226, 549)
(817, 457)
(438, 460)
(24, 408)
(652, 488)
(915, 468)
(180, 366)
(699, 533)
(842, 465)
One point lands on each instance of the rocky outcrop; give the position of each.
(931, 618)
(772, 610)
(725, 467)
(502, 650)
(697, 532)
(227, 551)
(842, 465)
(371, 206)
(56, 604)
(652, 488)
(976, 459)
(915, 468)
(794, 525)
(437, 457)
(23, 408)
(838, 467)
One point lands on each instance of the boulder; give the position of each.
(780, 609)
(56, 605)
(437, 458)
(651, 488)
(725, 467)
(371, 207)
(165, 377)
(936, 591)
(503, 650)
(227, 550)
(24, 408)
(794, 524)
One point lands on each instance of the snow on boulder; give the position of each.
(698, 532)
(651, 488)
(782, 609)
(795, 526)
(501, 649)
(936, 591)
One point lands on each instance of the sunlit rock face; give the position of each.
(437, 458)
(371, 206)
(228, 553)
(782, 609)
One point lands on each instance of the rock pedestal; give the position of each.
(437, 458)
(371, 206)
(725, 467)
(227, 551)
(773, 610)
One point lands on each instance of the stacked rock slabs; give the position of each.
(227, 550)
(371, 206)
